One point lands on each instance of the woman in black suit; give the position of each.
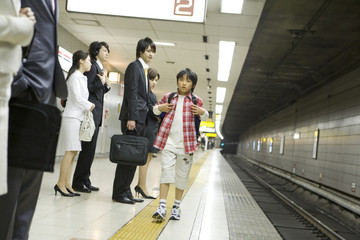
(151, 130)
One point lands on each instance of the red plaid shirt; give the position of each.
(190, 139)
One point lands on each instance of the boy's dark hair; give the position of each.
(95, 47)
(190, 74)
(143, 44)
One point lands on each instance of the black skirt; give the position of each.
(151, 131)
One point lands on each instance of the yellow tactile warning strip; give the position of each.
(143, 226)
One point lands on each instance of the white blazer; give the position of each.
(14, 31)
(77, 102)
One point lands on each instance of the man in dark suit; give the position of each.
(133, 114)
(39, 79)
(99, 53)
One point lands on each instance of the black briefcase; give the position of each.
(129, 150)
(33, 135)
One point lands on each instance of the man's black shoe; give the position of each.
(135, 199)
(83, 189)
(123, 200)
(92, 188)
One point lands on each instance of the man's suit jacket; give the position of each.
(96, 91)
(41, 75)
(14, 31)
(135, 103)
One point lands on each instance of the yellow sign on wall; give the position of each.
(207, 124)
(210, 134)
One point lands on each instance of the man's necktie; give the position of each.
(146, 79)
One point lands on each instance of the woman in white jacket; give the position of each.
(76, 106)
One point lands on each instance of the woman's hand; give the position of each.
(27, 12)
(92, 107)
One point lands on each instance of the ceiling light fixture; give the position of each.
(218, 109)
(226, 52)
(232, 6)
(88, 22)
(165, 44)
(220, 94)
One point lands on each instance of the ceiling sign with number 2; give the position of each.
(184, 7)
(174, 10)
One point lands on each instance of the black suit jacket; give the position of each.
(41, 76)
(135, 103)
(96, 91)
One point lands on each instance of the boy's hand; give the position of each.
(166, 107)
(196, 110)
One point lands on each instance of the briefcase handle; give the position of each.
(131, 132)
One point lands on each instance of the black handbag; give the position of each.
(129, 149)
(33, 135)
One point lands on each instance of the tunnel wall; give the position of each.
(335, 111)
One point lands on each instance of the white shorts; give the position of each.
(176, 165)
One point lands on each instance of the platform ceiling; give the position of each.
(298, 46)
(284, 49)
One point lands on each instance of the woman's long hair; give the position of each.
(76, 61)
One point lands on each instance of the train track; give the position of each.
(288, 216)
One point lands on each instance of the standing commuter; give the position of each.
(151, 130)
(177, 139)
(39, 79)
(98, 86)
(133, 114)
(16, 30)
(76, 106)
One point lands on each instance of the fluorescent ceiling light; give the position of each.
(165, 44)
(232, 6)
(226, 52)
(220, 94)
(218, 109)
(186, 11)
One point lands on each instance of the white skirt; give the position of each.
(70, 128)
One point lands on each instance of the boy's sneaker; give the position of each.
(175, 213)
(160, 213)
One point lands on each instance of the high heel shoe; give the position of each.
(74, 193)
(139, 190)
(57, 189)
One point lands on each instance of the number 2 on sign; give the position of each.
(184, 7)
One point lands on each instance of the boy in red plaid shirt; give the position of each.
(177, 139)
